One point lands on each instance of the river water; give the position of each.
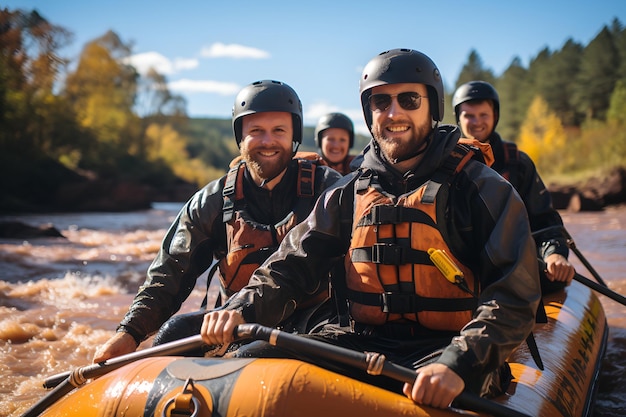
(62, 297)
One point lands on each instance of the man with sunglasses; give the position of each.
(440, 266)
(477, 110)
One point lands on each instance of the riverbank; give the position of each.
(592, 193)
(55, 189)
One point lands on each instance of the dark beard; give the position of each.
(395, 151)
(264, 169)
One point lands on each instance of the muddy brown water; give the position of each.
(61, 298)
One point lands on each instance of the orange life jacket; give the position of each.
(250, 243)
(389, 274)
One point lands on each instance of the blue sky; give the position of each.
(208, 50)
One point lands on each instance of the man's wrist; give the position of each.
(125, 329)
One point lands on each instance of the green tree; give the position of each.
(474, 69)
(619, 36)
(617, 108)
(554, 82)
(597, 77)
(514, 99)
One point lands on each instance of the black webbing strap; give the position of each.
(511, 162)
(390, 254)
(451, 165)
(229, 193)
(388, 214)
(306, 178)
(395, 303)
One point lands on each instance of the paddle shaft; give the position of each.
(572, 245)
(360, 361)
(601, 289)
(604, 290)
(98, 369)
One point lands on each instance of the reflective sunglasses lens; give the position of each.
(409, 100)
(380, 102)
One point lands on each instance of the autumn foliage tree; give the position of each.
(104, 119)
(30, 113)
(542, 137)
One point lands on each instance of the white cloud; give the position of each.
(146, 60)
(206, 86)
(220, 50)
(181, 64)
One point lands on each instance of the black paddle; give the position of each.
(373, 364)
(601, 286)
(602, 289)
(572, 245)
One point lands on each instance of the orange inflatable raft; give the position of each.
(571, 346)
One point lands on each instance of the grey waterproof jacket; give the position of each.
(488, 230)
(197, 238)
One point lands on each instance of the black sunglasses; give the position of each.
(408, 101)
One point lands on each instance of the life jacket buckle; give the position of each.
(395, 303)
(388, 254)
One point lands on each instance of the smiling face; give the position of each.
(477, 119)
(266, 145)
(335, 144)
(401, 133)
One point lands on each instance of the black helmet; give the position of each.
(402, 66)
(265, 96)
(338, 120)
(476, 90)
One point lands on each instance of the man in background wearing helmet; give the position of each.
(417, 199)
(334, 136)
(477, 111)
(236, 220)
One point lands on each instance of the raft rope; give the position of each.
(77, 378)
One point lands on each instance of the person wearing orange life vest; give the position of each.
(334, 136)
(235, 221)
(477, 110)
(418, 196)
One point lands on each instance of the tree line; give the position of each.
(103, 119)
(567, 108)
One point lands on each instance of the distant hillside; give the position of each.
(206, 135)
